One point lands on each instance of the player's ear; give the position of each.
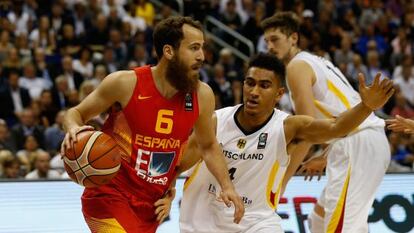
(168, 51)
(279, 94)
(294, 37)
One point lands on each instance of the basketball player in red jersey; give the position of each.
(161, 105)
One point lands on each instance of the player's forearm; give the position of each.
(350, 119)
(296, 158)
(216, 164)
(72, 119)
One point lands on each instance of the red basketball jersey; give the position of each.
(153, 130)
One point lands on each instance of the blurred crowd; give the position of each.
(53, 53)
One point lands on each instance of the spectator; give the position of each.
(402, 107)
(407, 61)
(6, 141)
(23, 48)
(356, 67)
(99, 33)
(100, 74)
(83, 65)
(12, 60)
(13, 99)
(25, 128)
(82, 20)
(222, 87)
(41, 64)
(399, 151)
(73, 77)
(401, 45)
(58, 18)
(118, 46)
(230, 17)
(252, 29)
(19, 18)
(60, 91)
(344, 54)
(109, 60)
(11, 168)
(145, 10)
(30, 151)
(73, 98)
(406, 83)
(48, 109)
(43, 36)
(114, 20)
(69, 44)
(5, 45)
(54, 134)
(374, 66)
(85, 89)
(34, 84)
(42, 168)
(140, 55)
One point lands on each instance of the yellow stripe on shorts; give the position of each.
(106, 225)
(336, 216)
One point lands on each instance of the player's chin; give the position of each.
(251, 107)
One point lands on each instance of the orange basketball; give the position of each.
(93, 160)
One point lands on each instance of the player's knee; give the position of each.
(316, 223)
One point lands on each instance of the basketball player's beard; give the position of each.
(178, 76)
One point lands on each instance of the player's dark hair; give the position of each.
(170, 32)
(270, 62)
(287, 22)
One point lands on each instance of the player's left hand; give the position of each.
(376, 95)
(163, 205)
(314, 166)
(230, 196)
(401, 124)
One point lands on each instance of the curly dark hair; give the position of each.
(270, 62)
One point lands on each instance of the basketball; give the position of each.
(93, 160)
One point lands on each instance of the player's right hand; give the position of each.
(70, 137)
(314, 166)
(230, 195)
(376, 95)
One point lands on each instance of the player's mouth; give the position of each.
(252, 103)
(197, 66)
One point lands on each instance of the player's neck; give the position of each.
(292, 53)
(160, 80)
(251, 123)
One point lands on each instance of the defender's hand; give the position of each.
(401, 124)
(70, 137)
(312, 167)
(376, 95)
(163, 205)
(230, 195)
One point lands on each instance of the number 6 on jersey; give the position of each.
(165, 122)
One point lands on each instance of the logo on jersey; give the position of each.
(188, 102)
(140, 97)
(241, 143)
(160, 163)
(262, 141)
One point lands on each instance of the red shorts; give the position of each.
(107, 210)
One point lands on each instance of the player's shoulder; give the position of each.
(205, 94)
(204, 89)
(120, 78)
(121, 75)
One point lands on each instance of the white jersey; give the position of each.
(332, 92)
(257, 163)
